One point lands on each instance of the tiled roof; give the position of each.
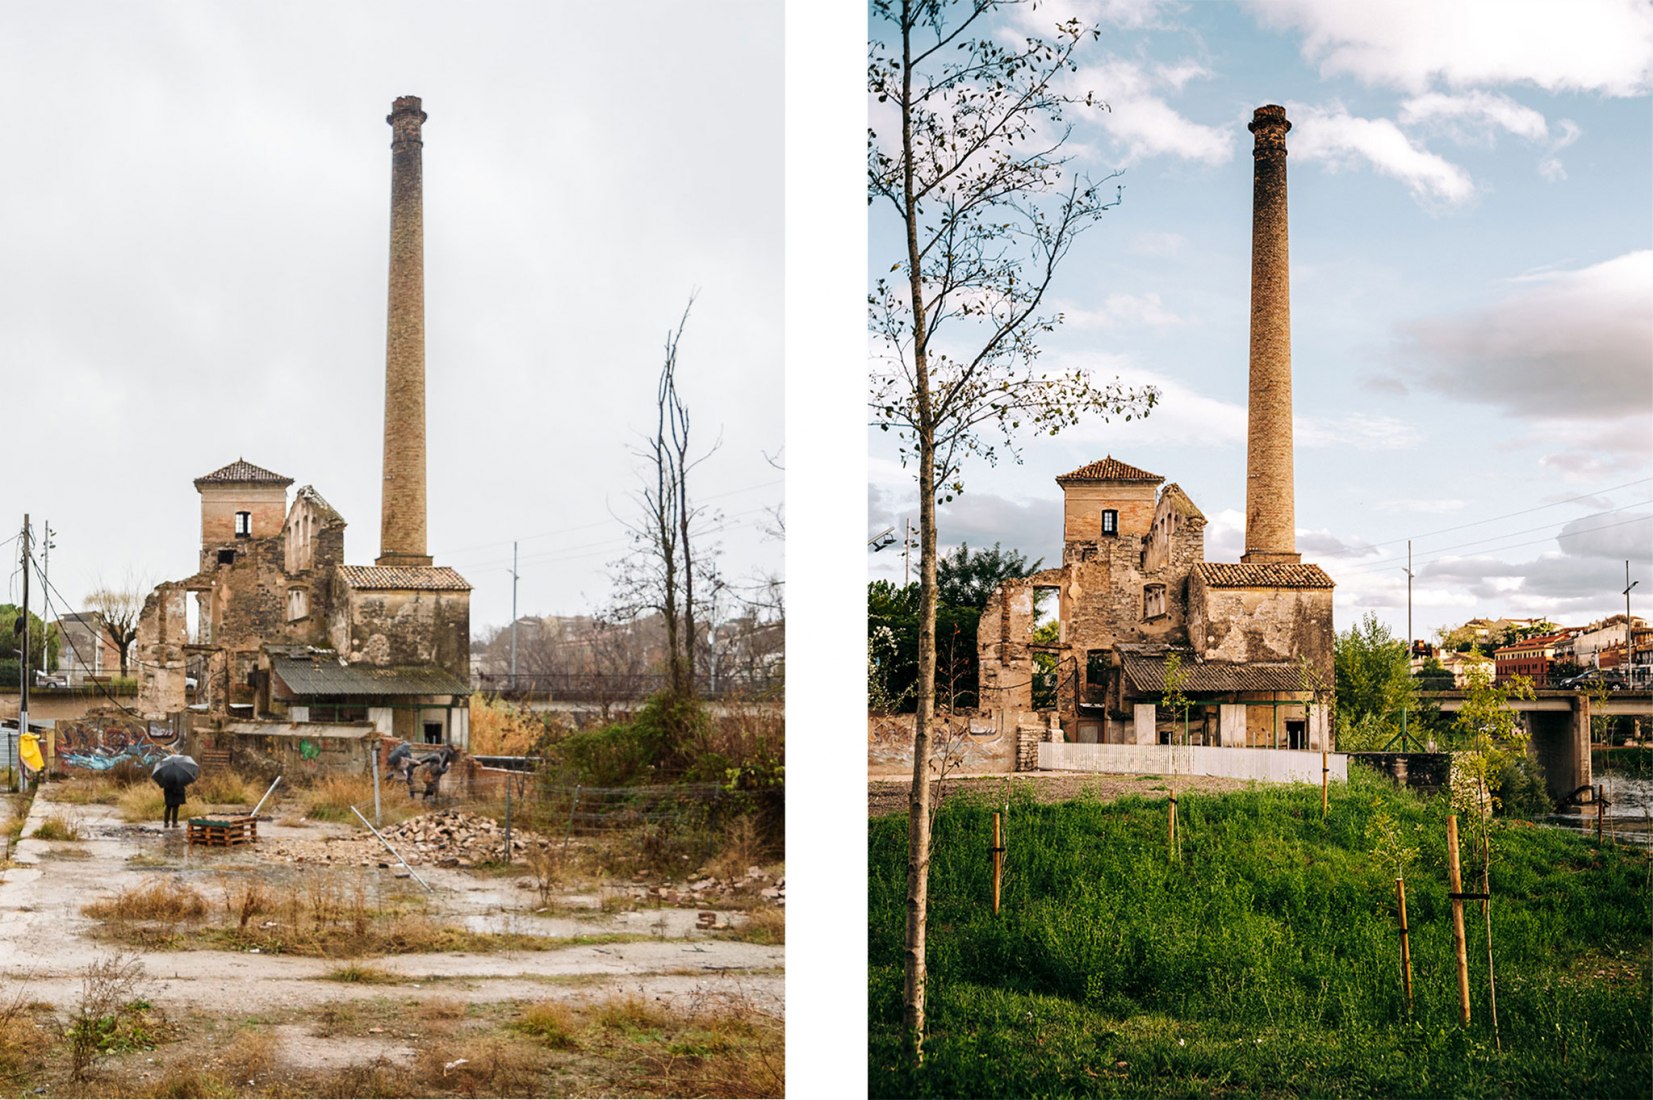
(241, 471)
(1108, 469)
(1147, 675)
(430, 578)
(1178, 501)
(1222, 574)
(304, 677)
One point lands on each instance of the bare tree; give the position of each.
(987, 213)
(663, 576)
(118, 607)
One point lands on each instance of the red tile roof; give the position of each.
(1108, 469)
(241, 471)
(1221, 574)
(429, 578)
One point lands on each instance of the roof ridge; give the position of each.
(1108, 469)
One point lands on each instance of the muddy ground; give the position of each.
(889, 796)
(601, 943)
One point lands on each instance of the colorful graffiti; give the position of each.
(98, 742)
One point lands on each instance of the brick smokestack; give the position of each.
(1270, 519)
(402, 514)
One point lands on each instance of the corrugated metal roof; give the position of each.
(434, 578)
(242, 471)
(305, 678)
(1108, 469)
(1223, 574)
(1147, 675)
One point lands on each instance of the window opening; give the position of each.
(1096, 667)
(433, 733)
(1110, 521)
(243, 525)
(226, 557)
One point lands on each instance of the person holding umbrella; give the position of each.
(173, 774)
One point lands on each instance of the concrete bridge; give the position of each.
(1558, 723)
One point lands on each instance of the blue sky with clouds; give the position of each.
(1471, 193)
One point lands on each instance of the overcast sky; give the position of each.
(1471, 192)
(193, 240)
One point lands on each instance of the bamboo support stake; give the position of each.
(998, 861)
(1455, 881)
(1325, 774)
(1601, 807)
(1173, 822)
(1405, 941)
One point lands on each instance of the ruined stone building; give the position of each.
(1250, 641)
(283, 636)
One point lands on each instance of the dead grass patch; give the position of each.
(251, 1053)
(57, 827)
(362, 974)
(158, 900)
(330, 797)
(440, 1009)
(552, 1023)
(87, 790)
(226, 788)
(761, 926)
(141, 802)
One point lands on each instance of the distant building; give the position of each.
(86, 651)
(1532, 658)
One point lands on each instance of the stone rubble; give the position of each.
(453, 838)
(703, 887)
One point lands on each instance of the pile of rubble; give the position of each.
(704, 888)
(453, 838)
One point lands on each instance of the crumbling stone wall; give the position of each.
(163, 633)
(1262, 624)
(397, 627)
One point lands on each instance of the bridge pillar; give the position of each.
(1561, 744)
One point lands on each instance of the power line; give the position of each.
(1511, 546)
(1521, 512)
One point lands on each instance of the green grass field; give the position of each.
(1265, 961)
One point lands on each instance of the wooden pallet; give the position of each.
(224, 832)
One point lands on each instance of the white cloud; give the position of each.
(1474, 116)
(1141, 121)
(1425, 507)
(1119, 310)
(1157, 244)
(1560, 344)
(1339, 140)
(1603, 46)
(1362, 433)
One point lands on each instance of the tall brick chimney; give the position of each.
(402, 511)
(1270, 519)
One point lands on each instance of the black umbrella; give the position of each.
(176, 771)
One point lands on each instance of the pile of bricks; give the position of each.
(454, 838)
(705, 888)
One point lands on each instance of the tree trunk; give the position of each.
(918, 821)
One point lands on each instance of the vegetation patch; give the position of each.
(1264, 960)
(57, 827)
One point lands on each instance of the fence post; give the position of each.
(507, 819)
(1172, 822)
(1455, 881)
(572, 806)
(377, 744)
(1325, 773)
(998, 861)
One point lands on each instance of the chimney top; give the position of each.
(1271, 116)
(405, 118)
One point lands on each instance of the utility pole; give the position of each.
(514, 579)
(1629, 634)
(46, 545)
(1404, 743)
(23, 663)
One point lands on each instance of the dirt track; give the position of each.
(888, 796)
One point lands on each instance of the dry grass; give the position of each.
(142, 802)
(439, 1010)
(362, 974)
(501, 729)
(552, 1023)
(250, 1054)
(86, 790)
(57, 827)
(159, 900)
(226, 788)
(764, 926)
(330, 797)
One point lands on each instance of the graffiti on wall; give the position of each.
(99, 742)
